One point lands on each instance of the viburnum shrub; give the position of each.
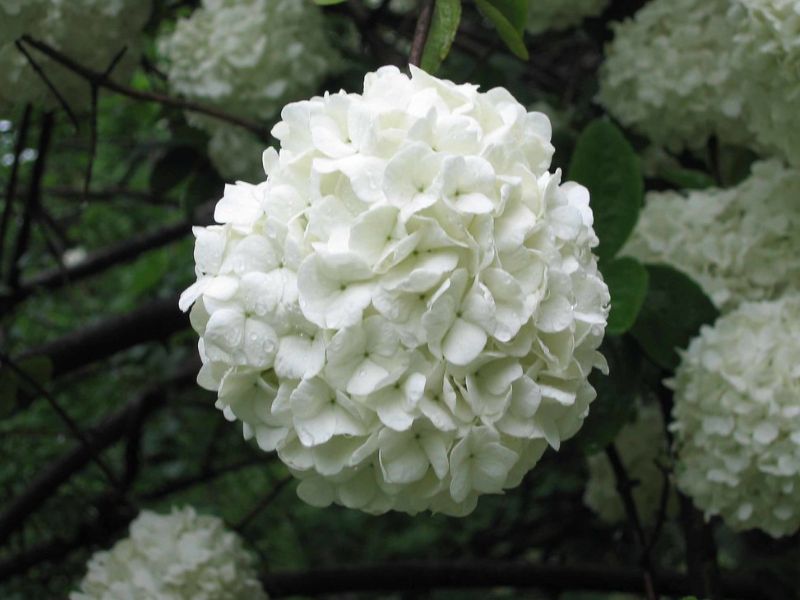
(408, 308)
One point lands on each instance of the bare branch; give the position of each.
(101, 80)
(11, 186)
(50, 86)
(421, 33)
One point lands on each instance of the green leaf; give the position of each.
(627, 281)
(173, 168)
(328, 2)
(8, 392)
(607, 165)
(509, 18)
(38, 368)
(446, 17)
(615, 404)
(674, 309)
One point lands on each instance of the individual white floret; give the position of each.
(738, 243)
(176, 556)
(737, 416)
(408, 309)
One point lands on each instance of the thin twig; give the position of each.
(53, 89)
(663, 505)
(264, 503)
(32, 199)
(72, 426)
(110, 84)
(421, 33)
(624, 487)
(11, 186)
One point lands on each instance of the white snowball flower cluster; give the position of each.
(407, 310)
(668, 74)
(251, 57)
(739, 243)
(545, 15)
(737, 417)
(177, 556)
(642, 447)
(768, 48)
(90, 32)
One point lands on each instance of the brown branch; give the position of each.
(11, 186)
(421, 33)
(101, 80)
(32, 200)
(624, 488)
(114, 255)
(110, 430)
(154, 321)
(49, 84)
(417, 576)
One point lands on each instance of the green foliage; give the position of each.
(444, 26)
(509, 18)
(328, 2)
(627, 283)
(673, 311)
(607, 165)
(615, 404)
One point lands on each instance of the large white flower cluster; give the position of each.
(737, 417)
(668, 74)
(546, 15)
(177, 556)
(90, 32)
(768, 48)
(407, 310)
(250, 57)
(642, 447)
(739, 243)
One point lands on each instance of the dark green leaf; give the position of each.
(37, 368)
(8, 392)
(674, 309)
(446, 17)
(606, 164)
(508, 18)
(173, 168)
(615, 404)
(627, 281)
(328, 2)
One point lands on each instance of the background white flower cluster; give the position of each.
(681, 71)
(545, 15)
(407, 310)
(738, 243)
(642, 447)
(178, 556)
(90, 32)
(250, 57)
(737, 417)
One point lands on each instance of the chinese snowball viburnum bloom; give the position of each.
(408, 308)
(737, 417)
(177, 556)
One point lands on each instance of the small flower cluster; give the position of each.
(178, 556)
(768, 48)
(250, 56)
(738, 243)
(408, 309)
(668, 74)
(642, 447)
(546, 15)
(737, 417)
(90, 32)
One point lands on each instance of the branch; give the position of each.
(101, 260)
(32, 199)
(417, 576)
(100, 437)
(11, 186)
(156, 320)
(102, 80)
(421, 33)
